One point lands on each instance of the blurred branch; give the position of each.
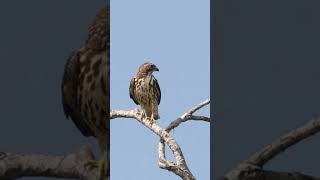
(180, 167)
(281, 144)
(73, 166)
(269, 175)
(253, 167)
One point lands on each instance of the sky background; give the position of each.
(266, 81)
(174, 35)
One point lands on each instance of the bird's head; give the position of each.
(148, 68)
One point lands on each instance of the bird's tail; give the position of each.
(104, 142)
(156, 115)
(105, 166)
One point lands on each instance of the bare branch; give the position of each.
(180, 168)
(73, 166)
(253, 166)
(163, 162)
(196, 108)
(271, 175)
(284, 142)
(198, 118)
(189, 116)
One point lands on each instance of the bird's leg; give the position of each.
(149, 120)
(152, 119)
(141, 113)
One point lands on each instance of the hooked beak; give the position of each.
(156, 69)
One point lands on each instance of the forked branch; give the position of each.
(179, 167)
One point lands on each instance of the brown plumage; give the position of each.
(85, 86)
(145, 91)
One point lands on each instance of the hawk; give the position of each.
(145, 91)
(86, 88)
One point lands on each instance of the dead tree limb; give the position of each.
(180, 166)
(189, 116)
(73, 166)
(253, 167)
(163, 162)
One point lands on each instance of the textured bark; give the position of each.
(179, 167)
(182, 168)
(189, 116)
(73, 166)
(252, 168)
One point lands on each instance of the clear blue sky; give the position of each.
(174, 35)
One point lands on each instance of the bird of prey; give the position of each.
(145, 91)
(86, 88)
